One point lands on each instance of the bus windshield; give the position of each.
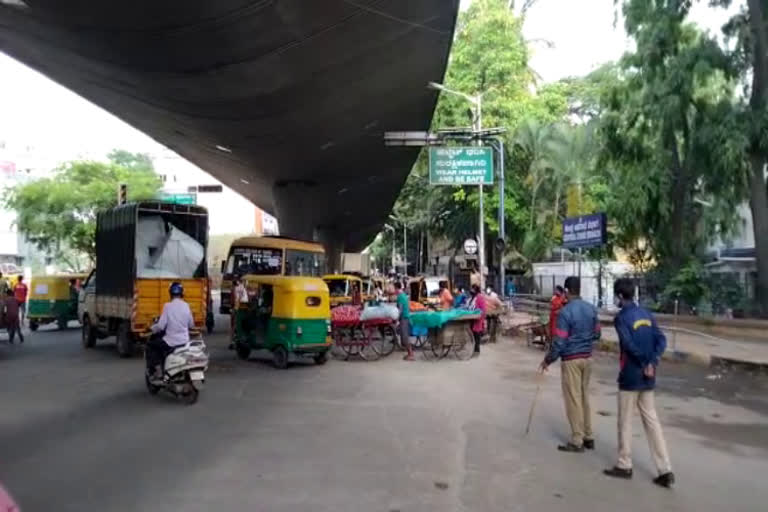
(304, 263)
(255, 260)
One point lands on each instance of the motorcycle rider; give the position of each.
(170, 331)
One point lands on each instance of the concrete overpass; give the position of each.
(285, 101)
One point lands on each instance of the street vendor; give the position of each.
(403, 304)
(446, 299)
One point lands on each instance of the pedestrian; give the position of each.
(239, 296)
(460, 298)
(4, 285)
(404, 307)
(11, 316)
(20, 291)
(474, 276)
(478, 326)
(578, 327)
(555, 305)
(641, 345)
(446, 299)
(357, 297)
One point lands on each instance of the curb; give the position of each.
(696, 358)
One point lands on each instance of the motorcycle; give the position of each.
(183, 371)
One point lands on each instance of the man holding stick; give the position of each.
(577, 328)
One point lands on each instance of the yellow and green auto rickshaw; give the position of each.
(344, 289)
(53, 299)
(285, 315)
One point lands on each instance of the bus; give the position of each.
(269, 256)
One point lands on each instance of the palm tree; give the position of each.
(534, 138)
(571, 154)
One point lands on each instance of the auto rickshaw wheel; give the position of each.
(89, 333)
(243, 351)
(280, 355)
(33, 325)
(321, 358)
(125, 342)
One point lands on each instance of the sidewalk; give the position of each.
(686, 345)
(705, 350)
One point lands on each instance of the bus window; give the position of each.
(263, 262)
(304, 263)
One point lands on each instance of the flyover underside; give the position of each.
(271, 97)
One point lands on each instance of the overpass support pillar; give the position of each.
(334, 247)
(296, 209)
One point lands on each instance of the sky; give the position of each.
(36, 112)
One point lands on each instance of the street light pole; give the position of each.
(387, 226)
(405, 251)
(502, 228)
(477, 126)
(478, 101)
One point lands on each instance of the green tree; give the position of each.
(653, 126)
(490, 57)
(58, 214)
(747, 32)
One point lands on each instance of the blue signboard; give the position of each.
(584, 231)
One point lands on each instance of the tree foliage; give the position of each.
(58, 214)
(667, 141)
(489, 57)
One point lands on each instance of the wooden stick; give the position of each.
(533, 404)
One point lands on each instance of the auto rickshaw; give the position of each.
(344, 289)
(285, 315)
(426, 289)
(369, 286)
(53, 299)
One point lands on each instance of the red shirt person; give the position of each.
(20, 292)
(555, 305)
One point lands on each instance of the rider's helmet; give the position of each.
(176, 290)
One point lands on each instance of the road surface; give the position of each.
(78, 431)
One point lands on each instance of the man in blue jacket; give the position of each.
(642, 344)
(577, 328)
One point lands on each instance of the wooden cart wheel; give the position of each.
(463, 344)
(382, 339)
(362, 337)
(432, 350)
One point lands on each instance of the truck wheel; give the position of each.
(280, 357)
(243, 351)
(125, 342)
(89, 333)
(33, 325)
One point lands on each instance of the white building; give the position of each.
(228, 211)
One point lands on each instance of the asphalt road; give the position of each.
(79, 432)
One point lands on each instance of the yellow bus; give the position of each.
(269, 256)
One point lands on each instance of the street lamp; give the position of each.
(477, 126)
(387, 226)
